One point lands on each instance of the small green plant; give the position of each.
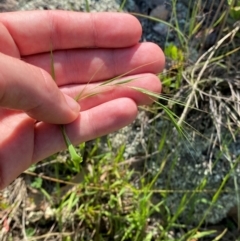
(37, 183)
(173, 52)
(234, 9)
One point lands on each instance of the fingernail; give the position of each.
(72, 103)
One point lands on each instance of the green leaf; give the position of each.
(173, 52)
(75, 158)
(37, 183)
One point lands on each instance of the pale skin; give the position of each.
(31, 103)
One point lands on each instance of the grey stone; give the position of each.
(8, 5)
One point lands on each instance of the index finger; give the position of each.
(37, 31)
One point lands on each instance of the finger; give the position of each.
(17, 145)
(92, 95)
(82, 66)
(31, 145)
(92, 123)
(32, 90)
(67, 30)
(7, 44)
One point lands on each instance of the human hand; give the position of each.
(86, 47)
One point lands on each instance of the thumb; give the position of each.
(32, 90)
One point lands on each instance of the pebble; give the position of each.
(160, 12)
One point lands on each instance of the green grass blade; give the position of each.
(122, 5)
(52, 65)
(76, 159)
(87, 6)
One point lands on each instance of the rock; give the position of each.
(161, 28)
(74, 5)
(160, 12)
(8, 5)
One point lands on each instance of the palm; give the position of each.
(23, 140)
